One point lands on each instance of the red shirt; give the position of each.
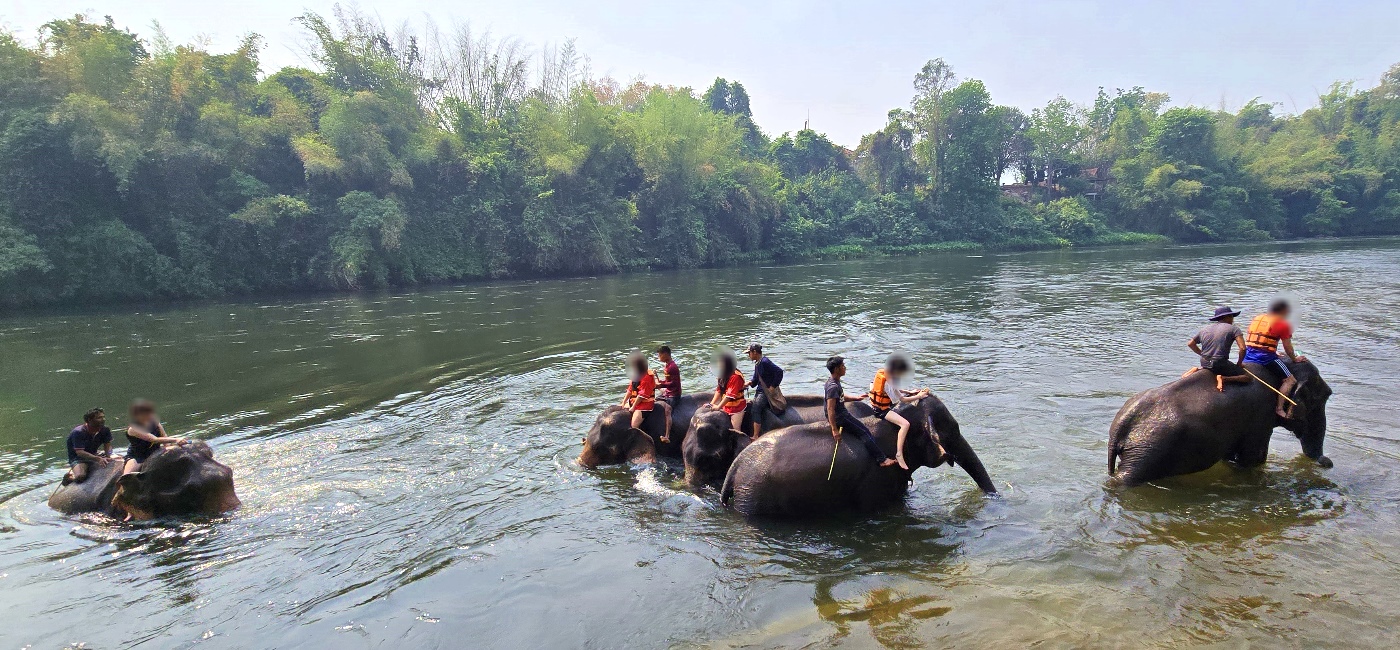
(671, 387)
(734, 388)
(645, 388)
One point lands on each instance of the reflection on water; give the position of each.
(405, 464)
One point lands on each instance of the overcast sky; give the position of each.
(848, 63)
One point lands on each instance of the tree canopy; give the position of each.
(132, 168)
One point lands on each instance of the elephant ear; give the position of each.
(738, 441)
(640, 449)
(132, 481)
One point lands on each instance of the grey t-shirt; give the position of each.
(1215, 340)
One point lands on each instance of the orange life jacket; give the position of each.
(1261, 333)
(877, 396)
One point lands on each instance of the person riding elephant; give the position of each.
(1185, 427)
(793, 471)
(172, 481)
(767, 384)
(729, 390)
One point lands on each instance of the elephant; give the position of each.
(711, 445)
(785, 472)
(1187, 425)
(173, 481)
(612, 441)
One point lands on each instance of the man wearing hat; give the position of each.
(1213, 343)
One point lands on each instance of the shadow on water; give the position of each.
(1224, 507)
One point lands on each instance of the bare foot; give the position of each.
(665, 438)
(888, 461)
(1220, 383)
(1283, 415)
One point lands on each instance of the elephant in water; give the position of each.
(785, 472)
(1187, 425)
(612, 441)
(175, 480)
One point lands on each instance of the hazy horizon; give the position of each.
(847, 66)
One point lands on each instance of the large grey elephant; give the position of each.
(785, 472)
(174, 481)
(1187, 425)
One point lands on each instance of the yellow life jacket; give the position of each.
(1261, 333)
(877, 396)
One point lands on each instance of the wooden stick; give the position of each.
(835, 448)
(1280, 393)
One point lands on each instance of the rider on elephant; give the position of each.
(89, 446)
(885, 393)
(641, 395)
(841, 419)
(670, 386)
(1266, 333)
(144, 435)
(767, 377)
(1212, 344)
(729, 390)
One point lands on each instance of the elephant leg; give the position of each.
(1252, 450)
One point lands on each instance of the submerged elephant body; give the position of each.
(1187, 426)
(174, 481)
(785, 472)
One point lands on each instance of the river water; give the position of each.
(405, 465)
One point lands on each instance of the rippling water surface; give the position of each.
(405, 464)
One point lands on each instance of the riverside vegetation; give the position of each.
(132, 168)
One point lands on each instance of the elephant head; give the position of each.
(710, 447)
(612, 441)
(180, 480)
(1307, 419)
(930, 421)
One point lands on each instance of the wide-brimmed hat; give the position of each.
(1224, 312)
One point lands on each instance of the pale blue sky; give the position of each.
(848, 63)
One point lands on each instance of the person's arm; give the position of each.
(831, 417)
(134, 432)
(856, 398)
(1239, 341)
(89, 457)
(719, 395)
(1288, 349)
(1195, 345)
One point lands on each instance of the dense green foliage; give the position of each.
(131, 168)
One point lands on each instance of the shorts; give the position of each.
(1280, 366)
(643, 406)
(1224, 368)
(668, 401)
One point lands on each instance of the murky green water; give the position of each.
(405, 466)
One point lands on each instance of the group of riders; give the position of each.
(648, 390)
(90, 443)
(1269, 334)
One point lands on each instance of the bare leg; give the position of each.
(665, 428)
(131, 466)
(637, 418)
(903, 424)
(79, 472)
(736, 421)
(1189, 371)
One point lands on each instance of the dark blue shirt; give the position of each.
(81, 438)
(766, 373)
(836, 392)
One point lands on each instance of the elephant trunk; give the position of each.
(1314, 434)
(962, 454)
